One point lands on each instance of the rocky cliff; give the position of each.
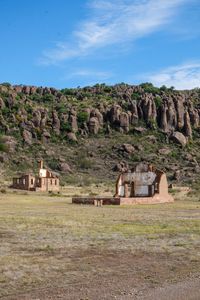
(44, 116)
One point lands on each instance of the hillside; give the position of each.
(91, 134)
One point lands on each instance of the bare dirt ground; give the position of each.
(51, 249)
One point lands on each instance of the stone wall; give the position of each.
(156, 199)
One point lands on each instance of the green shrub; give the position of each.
(5, 111)
(152, 124)
(53, 164)
(3, 147)
(150, 88)
(54, 139)
(66, 127)
(4, 95)
(17, 134)
(17, 98)
(84, 163)
(82, 117)
(19, 118)
(48, 98)
(36, 98)
(158, 101)
(68, 92)
(108, 89)
(62, 109)
(28, 108)
(7, 84)
(135, 96)
(164, 88)
(53, 194)
(38, 132)
(16, 107)
(172, 88)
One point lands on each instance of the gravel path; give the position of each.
(186, 290)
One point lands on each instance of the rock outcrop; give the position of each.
(27, 136)
(73, 120)
(94, 125)
(56, 122)
(44, 112)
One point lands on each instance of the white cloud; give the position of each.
(114, 22)
(185, 76)
(88, 77)
(91, 74)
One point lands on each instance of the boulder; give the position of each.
(151, 138)
(121, 167)
(50, 152)
(150, 157)
(64, 167)
(164, 151)
(173, 167)
(189, 157)
(71, 136)
(139, 147)
(178, 138)
(27, 137)
(140, 129)
(127, 148)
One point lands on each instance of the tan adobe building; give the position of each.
(46, 181)
(144, 184)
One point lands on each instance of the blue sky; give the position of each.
(64, 43)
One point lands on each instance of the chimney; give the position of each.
(41, 165)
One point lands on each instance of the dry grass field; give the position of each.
(52, 249)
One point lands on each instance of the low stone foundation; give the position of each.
(99, 201)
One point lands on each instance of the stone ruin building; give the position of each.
(45, 181)
(144, 184)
